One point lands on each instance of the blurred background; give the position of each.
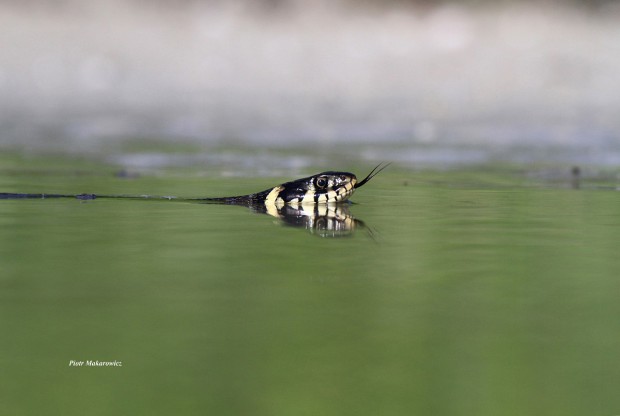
(415, 82)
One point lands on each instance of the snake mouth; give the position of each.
(372, 174)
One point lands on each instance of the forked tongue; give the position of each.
(372, 174)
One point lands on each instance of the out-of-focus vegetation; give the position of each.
(464, 81)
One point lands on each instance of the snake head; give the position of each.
(324, 188)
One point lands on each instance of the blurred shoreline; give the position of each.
(77, 77)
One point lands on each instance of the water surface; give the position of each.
(467, 297)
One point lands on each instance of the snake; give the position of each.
(330, 187)
(325, 188)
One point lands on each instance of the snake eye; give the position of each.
(321, 182)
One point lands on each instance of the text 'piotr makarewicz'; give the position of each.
(91, 363)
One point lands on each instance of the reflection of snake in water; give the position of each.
(314, 202)
(324, 220)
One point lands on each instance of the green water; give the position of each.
(471, 295)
